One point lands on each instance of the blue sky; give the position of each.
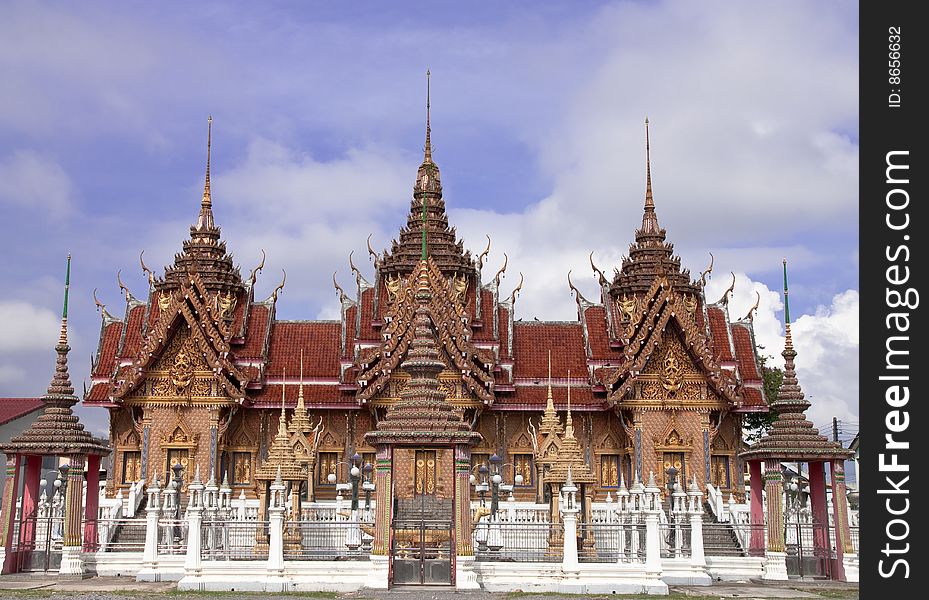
(537, 125)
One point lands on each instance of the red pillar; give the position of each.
(11, 493)
(91, 503)
(33, 472)
(820, 510)
(757, 545)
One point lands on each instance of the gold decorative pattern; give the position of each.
(627, 307)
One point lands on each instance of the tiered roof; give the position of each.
(502, 360)
(422, 415)
(792, 437)
(58, 431)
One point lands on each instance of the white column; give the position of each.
(569, 563)
(194, 520)
(651, 499)
(149, 571)
(276, 511)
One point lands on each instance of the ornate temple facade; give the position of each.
(196, 372)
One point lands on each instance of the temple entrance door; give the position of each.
(421, 533)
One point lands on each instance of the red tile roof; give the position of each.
(745, 352)
(315, 396)
(319, 341)
(367, 313)
(133, 332)
(15, 408)
(256, 334)
(109, 343)
(533, 340)
(533, 397)
(752, 397)
(719, 333)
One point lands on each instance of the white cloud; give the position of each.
(26, 327)
(30, 180)
(826, 343)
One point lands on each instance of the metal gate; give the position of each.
(43, 551)
(421, 552)
(810, 551)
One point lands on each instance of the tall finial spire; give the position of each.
(649, 201)
(788, 341)
(61, 380)
(650, 228)
(63, 338)
(282, 426)
(786, 303)
(569, 422)
(550, 403)
(206, 204)
(428, 149)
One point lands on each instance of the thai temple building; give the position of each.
(426, 431)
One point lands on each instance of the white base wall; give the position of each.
(850, 562)
(679, 571)
(735, 568)
(113, 564)
(590, 578)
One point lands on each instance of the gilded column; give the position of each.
(384, 502)
(705, 424)
(774, 487)
(840, 508)
(463, 543)
(74, 501)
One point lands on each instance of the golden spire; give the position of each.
(282, 424)
(649, 219)
(649, 201)
(569, 423)
(427, 158)
(206, 204)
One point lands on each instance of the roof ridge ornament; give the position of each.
(205, 221)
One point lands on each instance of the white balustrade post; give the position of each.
(149, 571)
(569, 562)
(652, 508)
(697, 554)
(276, 510)
(194, 520)
(622, 507)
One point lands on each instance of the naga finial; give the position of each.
(500, 273)
(100, 305)
(601, 276)
(338, 288)
(706, 272)
(280, 286)
(147, 271)
(483, 256)
(751, 312)
(122, 287)
(253, 276)
(730, 290)
(578, 295)
(516, 290)
(372, 255)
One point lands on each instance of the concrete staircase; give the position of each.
(719, 538)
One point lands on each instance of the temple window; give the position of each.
(719, 471)
(424, 475)
(609, 470)
(241, 468)
(328, 463)
(522, 465)
(132, 466)
(177, 456)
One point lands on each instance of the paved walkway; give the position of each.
(120, 588)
